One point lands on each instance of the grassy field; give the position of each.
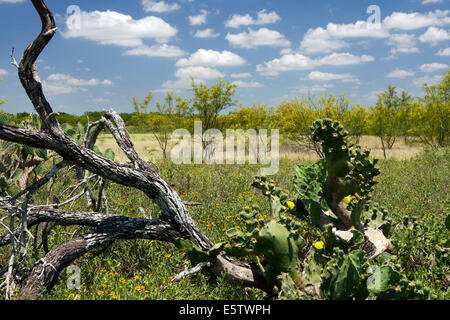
(147, 146)
(414, 187)
(417, 189)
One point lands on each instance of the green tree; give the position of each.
(142, 107)
(432, 114)
(170, 113)
(332, 107)
(294, 118)
(209, 102)
(258, 116)
(404, 115)
(385, 118)
(356, 121)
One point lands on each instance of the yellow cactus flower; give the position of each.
(319, 245)
(348, 199)
(290, 205)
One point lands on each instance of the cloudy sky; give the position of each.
(107, 51)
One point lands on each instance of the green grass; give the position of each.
(416, 194)
(416, 189)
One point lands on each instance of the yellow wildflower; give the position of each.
(319, 245)
(100, 292)
(290, 205)
(71, 295)
(348, 199)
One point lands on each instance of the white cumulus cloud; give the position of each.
(211, 58)
(206, 33)
(333, 37)
(241, 75)
(400, 74)
(254, 38)
(299, 62)
(434, 35)
(263, 17)
(110, 27)
(248, 84)
(199, 19)
(163, 51)
(199, 73)
(159, 6)
(416, 20)
(403, 43)
(432, 1)
(433, 67)
(444, 52)
(326, 76)
(59, 83)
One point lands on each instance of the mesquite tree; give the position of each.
(174, 225)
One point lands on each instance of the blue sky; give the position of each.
(107, 51)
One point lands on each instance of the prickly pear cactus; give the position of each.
(344, 276)
(340, 183)
(342, 264)
(387, 283)
(19, 161)
(289, 290)
(276, 239)
(347, 178)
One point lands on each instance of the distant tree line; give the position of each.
(394, 116)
